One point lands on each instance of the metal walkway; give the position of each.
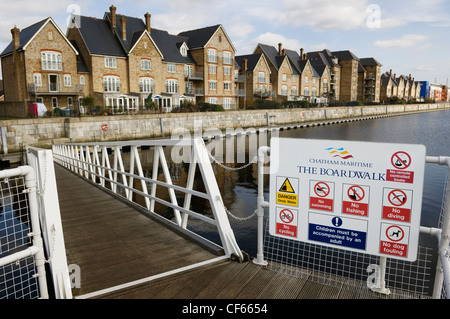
(112, 243)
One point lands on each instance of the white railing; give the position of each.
(50, 220)
(93, 161)
(441, 287)
(20, 235)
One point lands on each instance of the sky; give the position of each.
(407, 36)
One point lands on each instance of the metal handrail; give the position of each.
(71, 156)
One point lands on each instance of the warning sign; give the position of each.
(287, 222)
(355, 200)
(358, 196)
(397, 204)
(394, 240)
(400, 161)
(321, 195)
(287, 193)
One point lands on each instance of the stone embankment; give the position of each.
(41, 132)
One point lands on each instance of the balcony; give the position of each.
(194, 76)
(194, 91)
(239, 78)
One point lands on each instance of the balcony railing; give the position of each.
(239, 78)
(197, 75)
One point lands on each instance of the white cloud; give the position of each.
(405, 41)
(324, 15)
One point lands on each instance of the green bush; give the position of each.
(354, 103)
(297, 104)
(265, 105)
(208, 107)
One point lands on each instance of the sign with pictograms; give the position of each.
(321, 195)
(287, 193)
(355, 199)
(397, 204)
(400, 161)
(358, 196)
(287, 222)
(394, 240)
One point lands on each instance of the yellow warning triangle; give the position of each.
(287, 187)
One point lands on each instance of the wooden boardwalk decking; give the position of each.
(114, 244)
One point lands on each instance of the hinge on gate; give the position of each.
(26, 190)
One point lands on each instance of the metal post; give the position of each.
(260, 207)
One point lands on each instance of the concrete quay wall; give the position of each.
(41, 132)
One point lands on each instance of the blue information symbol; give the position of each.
(337, 221)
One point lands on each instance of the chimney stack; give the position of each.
(280, 46)
(113, 9)
(283, 52)
(244, 65)
(15, 37)
(301, 54)
(123, 22)
(390, 73)
(147, 22)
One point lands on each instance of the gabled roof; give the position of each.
(101, 40)
(170, 45)
(345, 55)
(324, 57)
(369, 62)
(29, 33)
(275, 58)
(199, 38)
(98, 37)
(252, 61)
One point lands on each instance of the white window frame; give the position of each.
(212, 55)
(212, 69)
(227, 57)
(111, 83)
(306, 91)
(284, 77)
(227, 70)
(82, 80)
(171, 86)
(70, 101)
(227, 85)
(212, 100)
(54, 102)
(146, 85)
(284, 90)
(213, 85)
(227, 103)
(146, 64)
(261, 77)
(110, 62)
(37, 79)
(51, 61)
(67, 80)
(171, 67)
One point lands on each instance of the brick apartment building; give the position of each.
(40, 64)
(120, 61)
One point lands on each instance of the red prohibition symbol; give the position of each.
(322, 189)
(401, 160)
(395, 231)
(397, 197)
(286, 216)
(356, 193)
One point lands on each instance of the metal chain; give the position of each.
(241, 218)
(255, 159)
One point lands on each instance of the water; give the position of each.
(239, 188)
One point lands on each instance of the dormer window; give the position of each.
(184, 50)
